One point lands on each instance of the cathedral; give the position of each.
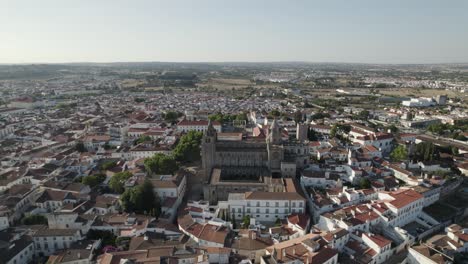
(245, 163)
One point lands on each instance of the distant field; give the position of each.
(231, 81)
(227, 83)
(128, 83)
(418, 92)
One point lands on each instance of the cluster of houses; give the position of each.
(274, 193)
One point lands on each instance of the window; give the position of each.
(277, 204)
(267, 204)
(248, 210)
(238, 210)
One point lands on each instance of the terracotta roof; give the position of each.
(273, 196)
(405, 197)
(301, 220)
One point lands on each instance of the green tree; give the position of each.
(246, 221)
(161, 164)
(320, 115)
(363, 115)
(399, 153)
(311, 135)
(108, 165)
(141, 199)
(108, 238)
(338, 129)
(393, 128)
(278, 222)
(171, 116)
(143, 138)
(426, 151)
(80, 147)
(117, 181)
(242, 117)
(275, 113)
(188, 147)
(364, 183)
(107, 146)
(93, 180)
(233, 221)
(298, 116)
(34, 220)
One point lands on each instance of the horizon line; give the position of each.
(233, 62)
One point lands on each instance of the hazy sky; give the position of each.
(375, 31)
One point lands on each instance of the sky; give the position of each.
(360, 31)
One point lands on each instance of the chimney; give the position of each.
(79, 255)
(294, 251)
(283, 252)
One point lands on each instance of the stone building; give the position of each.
(240, 164)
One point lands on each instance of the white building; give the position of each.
(266, 206)
(199, 125)
(49, 241)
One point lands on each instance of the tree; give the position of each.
(108, 165)
(298, 116)
(275, 113)
(141, 199)
(34, 220)
(108, 238)
(338, 129)
(222, 215)
(426, 151)
(171, 116)
(363, 115)
(139, 100)
(107, 146)
(117, 181)
(320, 115)
(93, 180)
(246, 221)
(80, 147)
(311, 135)
(188, 147)
(399, 153)
(333, 131)
(365, 183)
(242, 117)
(278, 222)
(143, 138)
(161, 164)
(393, 129)
(233, 221)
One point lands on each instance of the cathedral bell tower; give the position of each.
(274, 147)
(208, 149)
